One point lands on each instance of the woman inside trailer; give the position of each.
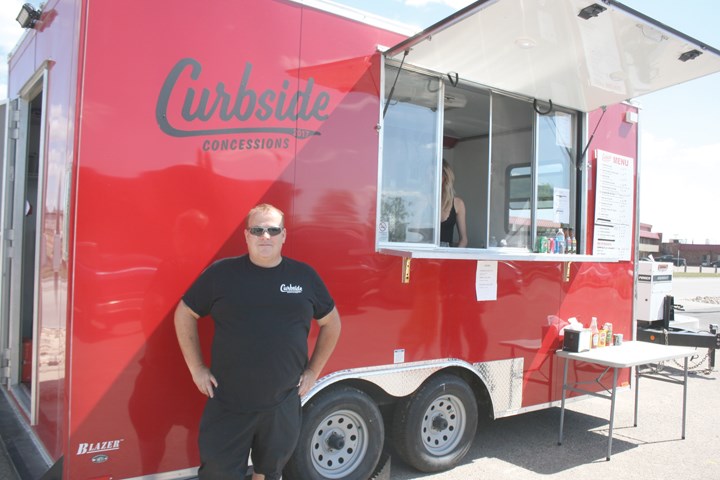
(452, 211)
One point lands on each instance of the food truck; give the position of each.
(138, 135)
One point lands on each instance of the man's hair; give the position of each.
(264, 208)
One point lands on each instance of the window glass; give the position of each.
(511, 172)
(556, 179)
(466, 127)
(409, 189)
(513, 168)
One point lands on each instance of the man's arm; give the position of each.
(189, 340)
(327, 339)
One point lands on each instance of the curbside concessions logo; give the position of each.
(185, 109)
(290, 288)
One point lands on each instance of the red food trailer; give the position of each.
(138, 135)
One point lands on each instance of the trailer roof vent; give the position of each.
(591, 11)
(690, 55)
(28, 16)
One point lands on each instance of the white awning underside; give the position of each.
(544, 50)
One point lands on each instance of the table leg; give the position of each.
(637, 393)
(685, 379)
(612, 412)
(562, 402)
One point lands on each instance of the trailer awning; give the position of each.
(576, 53)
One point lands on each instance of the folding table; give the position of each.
(629, 354)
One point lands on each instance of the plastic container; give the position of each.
(560, 241)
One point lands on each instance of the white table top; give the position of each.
(629, 354)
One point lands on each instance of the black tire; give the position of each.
(434, 428)
(341, 437)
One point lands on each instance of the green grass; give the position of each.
(696, 274)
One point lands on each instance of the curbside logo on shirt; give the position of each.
(290, 288)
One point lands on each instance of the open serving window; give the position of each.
(498, 94)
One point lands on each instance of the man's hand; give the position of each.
(204, 380)
(307, 380)
(187, 334)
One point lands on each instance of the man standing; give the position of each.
(262, 304)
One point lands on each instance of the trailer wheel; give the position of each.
(434, 428)
(341, 437)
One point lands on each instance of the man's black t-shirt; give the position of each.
(262, 320)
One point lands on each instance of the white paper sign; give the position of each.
(486, 281)
(614, 205)
(561, 205)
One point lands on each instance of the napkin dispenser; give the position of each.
(577, 340)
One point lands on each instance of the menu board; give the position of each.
(614, 205)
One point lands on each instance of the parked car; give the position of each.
(677, 261)
(715, 264)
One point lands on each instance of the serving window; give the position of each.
(513, 163)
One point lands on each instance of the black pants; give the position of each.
(227, 438)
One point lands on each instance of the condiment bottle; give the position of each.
(609, 334)
(594, 333)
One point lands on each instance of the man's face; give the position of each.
(265, 249)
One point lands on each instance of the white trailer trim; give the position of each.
(502, 378)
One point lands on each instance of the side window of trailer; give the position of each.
(408, 191)
(513, 166)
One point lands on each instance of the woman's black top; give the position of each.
(447, 227)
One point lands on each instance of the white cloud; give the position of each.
(679, 194)
(10, 33)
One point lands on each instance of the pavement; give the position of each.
(7, 469)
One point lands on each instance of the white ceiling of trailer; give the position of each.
(544, 50)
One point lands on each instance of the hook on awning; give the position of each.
(541, 112)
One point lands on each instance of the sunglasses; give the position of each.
(260, 231)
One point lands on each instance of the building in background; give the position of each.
(649, 241)
(693, 253)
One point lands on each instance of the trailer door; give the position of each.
(22, 246)
(8, 306)
(4, 264)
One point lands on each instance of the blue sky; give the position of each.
(680, 132)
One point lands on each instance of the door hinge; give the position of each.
(5, 366)
(14, 133)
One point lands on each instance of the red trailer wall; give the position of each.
(158, 200)
(605, 290)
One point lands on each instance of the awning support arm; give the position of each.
(392, 89)
(580, 159)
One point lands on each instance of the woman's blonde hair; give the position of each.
(448, 189)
